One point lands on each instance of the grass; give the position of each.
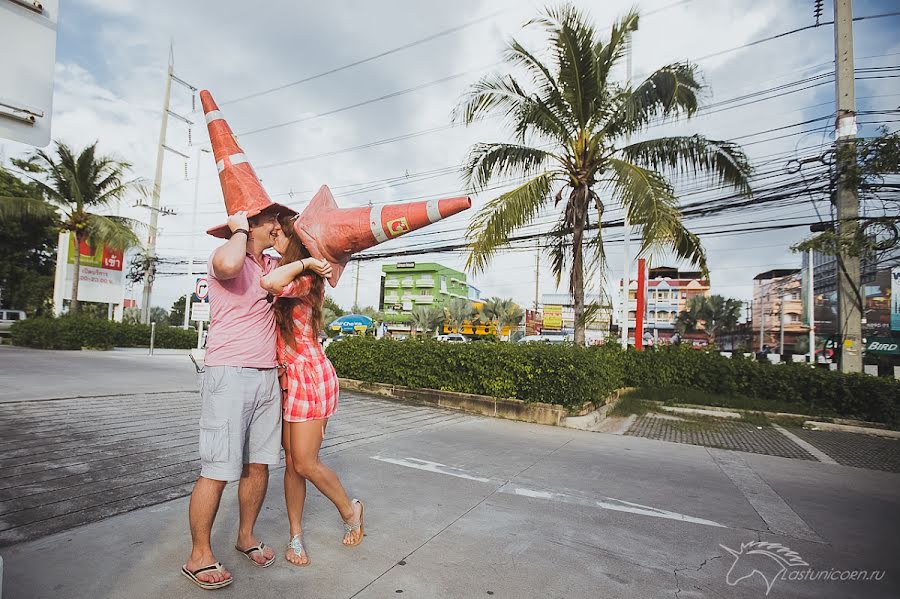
(630, 404)
(686, 395)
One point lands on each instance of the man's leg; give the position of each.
(251, 493)
(202, 513)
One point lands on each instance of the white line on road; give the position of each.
(809, 447)
(431, 467)
(606, 503)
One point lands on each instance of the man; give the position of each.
(240, 420)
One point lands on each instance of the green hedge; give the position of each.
(76, 332)
(573, 376)
(554, 374)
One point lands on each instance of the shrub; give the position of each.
(572, 376)
(76, 332)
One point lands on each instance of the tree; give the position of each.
(426, 318)
(510, 316)
(176, 313)
(571, 124)
(27, 253)
(458, 311)
(159, 315)
(714, 315)
(72, 185)
(332, 305)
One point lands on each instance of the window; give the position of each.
(12, 315)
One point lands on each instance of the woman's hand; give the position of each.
(320, 267)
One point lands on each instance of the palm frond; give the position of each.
(19, 208)
(619, 39)
(491, 227)
(649, 200)
(486, 161)
(724, 161)
(667, 93)
(551, 95)
(118, 232)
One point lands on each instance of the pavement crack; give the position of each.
(702, 565)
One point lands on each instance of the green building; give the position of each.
(406, 285)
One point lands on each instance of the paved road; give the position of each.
(27, 374)
(460, 506)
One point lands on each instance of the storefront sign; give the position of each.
(552, 318)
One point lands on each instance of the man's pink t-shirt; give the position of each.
(242, 321)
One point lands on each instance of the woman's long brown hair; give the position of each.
(284, 306)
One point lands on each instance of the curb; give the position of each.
(700, 412)
(846, 428)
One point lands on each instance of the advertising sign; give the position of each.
(100, 273)
(552, 318)
(200, 312)
(895, 298)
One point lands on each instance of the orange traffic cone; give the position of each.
(334, 234)
(240, 185)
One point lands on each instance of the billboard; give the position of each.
(100, 279)
(552, 318)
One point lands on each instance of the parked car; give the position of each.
(545, 339)
(8, 318)
(452, 338)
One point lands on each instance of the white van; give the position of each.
(452, 338)
(8, 318)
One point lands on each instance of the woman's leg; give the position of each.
(305, 441)
(294, 495)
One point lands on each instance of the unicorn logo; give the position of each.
(769, 560)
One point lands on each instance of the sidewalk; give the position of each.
(465, 506)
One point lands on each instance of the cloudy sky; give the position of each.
(110, 73)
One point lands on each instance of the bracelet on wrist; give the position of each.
(244, 231)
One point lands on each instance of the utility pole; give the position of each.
(811, 309)
(846, 199)
(157, 182)
(356, 293)
(762, 318)
(154, 208)
(781, 334)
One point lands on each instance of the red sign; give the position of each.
(112, 259)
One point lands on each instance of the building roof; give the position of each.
(776, 274)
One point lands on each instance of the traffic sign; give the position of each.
(200, 312)
(201, 290)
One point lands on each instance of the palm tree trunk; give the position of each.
(579, 199)
(76, 274)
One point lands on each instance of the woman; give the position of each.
(310, 388)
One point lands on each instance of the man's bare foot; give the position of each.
(260, 557)
(353, 527)
(296, 552)
(210, 576)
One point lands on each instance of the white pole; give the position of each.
(200, 335)
(62, 264)
(762, 317)
(187, 299)
(811, 309)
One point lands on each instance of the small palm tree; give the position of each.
(714, 315)
(491, 311)
(572, 125)
(511, 315)
(426, 318)
(73, 185)
(458, 311)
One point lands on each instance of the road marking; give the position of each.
(606, 503)
(809, 447)
(774, 511)
(435, 467)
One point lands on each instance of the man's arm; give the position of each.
(228, 260)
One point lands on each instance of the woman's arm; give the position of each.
(275, 281)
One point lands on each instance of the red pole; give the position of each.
(641, 301)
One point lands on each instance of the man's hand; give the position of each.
(238, 220)
(320, 267)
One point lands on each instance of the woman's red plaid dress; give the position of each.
(309, 384)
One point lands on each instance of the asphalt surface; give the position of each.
(456, 506)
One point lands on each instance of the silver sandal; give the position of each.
(350, 528)
(296, 545)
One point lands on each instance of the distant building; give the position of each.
(406, 285)
(777, 298)
(562, 311)
(668, 292)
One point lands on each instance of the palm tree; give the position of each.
(72, 185)
(510, 315)
(572, 126)
(458, 311)
(426, 318)
(491, 311)
(715, 314)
